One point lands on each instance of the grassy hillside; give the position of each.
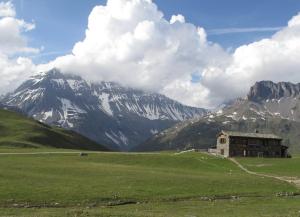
(274, 166)
(120, 184)
(19, 131)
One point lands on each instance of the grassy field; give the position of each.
(274, 166)
(120, 184)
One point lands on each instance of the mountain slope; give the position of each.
(269, 108)
(104, 112)
(19, 131)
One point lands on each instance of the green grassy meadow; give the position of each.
(129, 184)
(274, 166)
(18, 131)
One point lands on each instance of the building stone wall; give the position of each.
(223, 145)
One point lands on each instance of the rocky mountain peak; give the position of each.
(53, 73)
(268, 90)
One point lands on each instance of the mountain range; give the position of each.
(105, 112)
(269, 107)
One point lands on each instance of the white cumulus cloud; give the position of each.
(12, 40)
(130, 42)
(177, 18)
(7, 9)
(275, 58)
(14, 68)
(13, 72)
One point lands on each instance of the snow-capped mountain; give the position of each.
(269, 107)
(105, 112)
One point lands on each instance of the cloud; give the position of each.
(177, 18)
(14, 69)
(13, 72)
(7, 9)
(130, 42)
(12, 40)
(275, 58)
(140, 48)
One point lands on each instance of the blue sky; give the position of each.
(61, 23)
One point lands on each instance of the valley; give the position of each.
(149, 108)
(127, 119)
(71, 125)
(50, 171)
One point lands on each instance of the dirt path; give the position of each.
(75, 152)
(292, 180)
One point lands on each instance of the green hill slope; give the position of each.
(19, 131)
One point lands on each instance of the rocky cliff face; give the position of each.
(279, 99)
(106, 112)
(268, 90)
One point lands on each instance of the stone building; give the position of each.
(237, 144)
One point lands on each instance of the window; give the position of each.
(222, 140)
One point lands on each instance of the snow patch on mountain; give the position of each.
(105, 103)
(154, 131)
(47, 114)
(118, 138)
(59, 82)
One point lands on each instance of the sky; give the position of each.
(199, 52)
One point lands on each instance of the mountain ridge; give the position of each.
(264, 90)
(269, 107)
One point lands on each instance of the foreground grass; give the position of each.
(159, 184)
(246, 207)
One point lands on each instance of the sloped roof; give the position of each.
(251, 135)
